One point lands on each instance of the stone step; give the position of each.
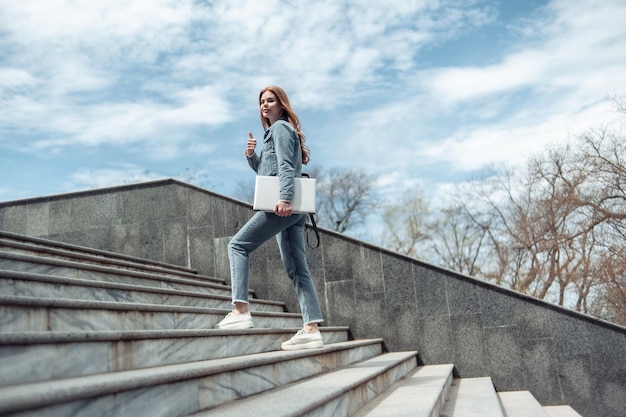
(87, 332)
(50, 286)
(181, 389)
(58, 355)
(421, 394)
(12, 242)
(521, 404)
(35, 314)
(70, 269)
(561, 411)
(472, 397)
(336, 393)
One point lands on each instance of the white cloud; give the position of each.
(75, 24)
(394, 183)
(122, 72)
(567, 48)
(516, 71)
(550, 85)
(173, 80)
(86, 178)
(12, 78)
(512, 144)
(200, 106)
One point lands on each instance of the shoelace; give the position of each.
(231, 314)
(300, 332)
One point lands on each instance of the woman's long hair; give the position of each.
(292, 118)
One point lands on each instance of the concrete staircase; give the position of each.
(92, 333)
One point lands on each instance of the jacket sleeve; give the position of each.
(286, 142)
(253, 161)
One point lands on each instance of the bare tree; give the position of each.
(405, 222)
(345, 198)
(554, 230)
(456, 240)
(605, 155)
(196, 176)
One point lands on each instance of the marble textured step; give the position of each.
(181, 389)
(47, 286)
(56, 355)
(70, 269)
(51, 249)
(521, 404)
(420, 394)
(472, 397)
(91, 333)
(561, 411)
(336, 393)
(28, 314)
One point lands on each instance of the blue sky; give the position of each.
(105, 92)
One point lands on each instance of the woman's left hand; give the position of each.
(282, 208)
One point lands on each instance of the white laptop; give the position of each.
(267, 193)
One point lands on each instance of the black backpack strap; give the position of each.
(314, 227)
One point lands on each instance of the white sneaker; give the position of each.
(234, 321)
(303, 340)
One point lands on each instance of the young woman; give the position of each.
(282, 155)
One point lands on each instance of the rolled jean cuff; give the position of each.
(240, 301)
(314, 321)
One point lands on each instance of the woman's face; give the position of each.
(270, 107)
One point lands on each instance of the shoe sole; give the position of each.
(307, 345)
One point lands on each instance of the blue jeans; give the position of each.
(289, 232)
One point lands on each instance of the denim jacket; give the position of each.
(280, 156)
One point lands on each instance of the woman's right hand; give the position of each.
(250, 145)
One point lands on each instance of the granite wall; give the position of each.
(561, 356)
